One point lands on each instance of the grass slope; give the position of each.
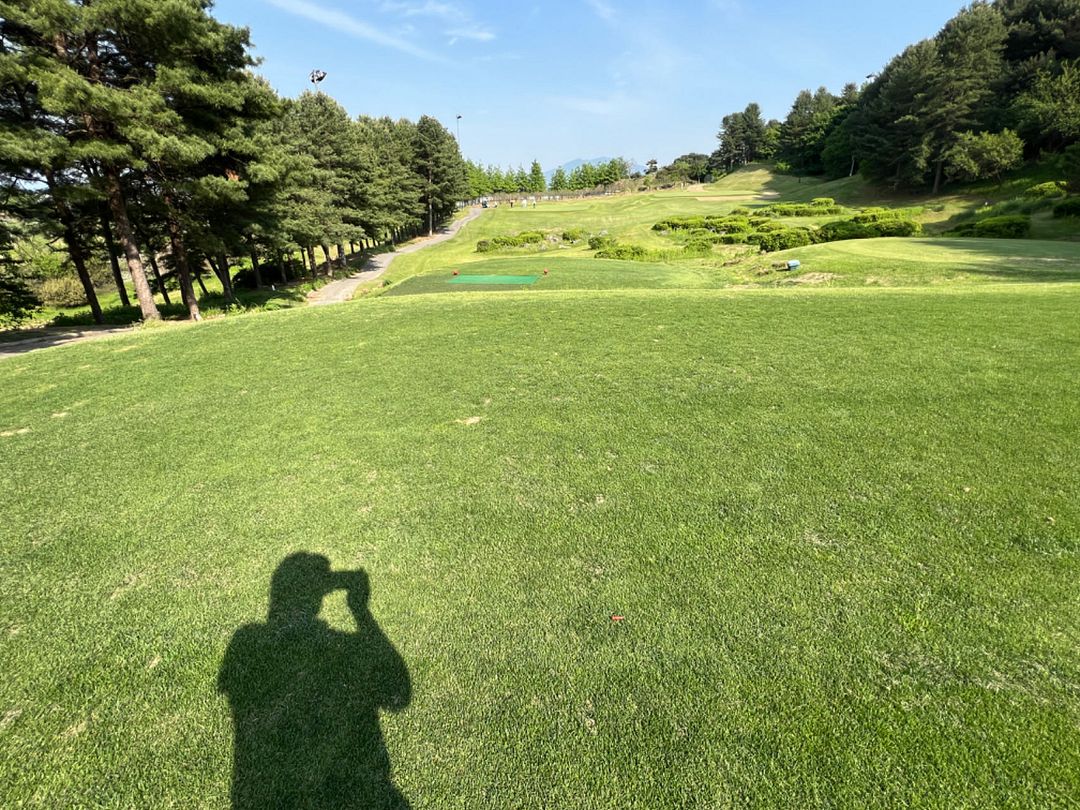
(843, 526)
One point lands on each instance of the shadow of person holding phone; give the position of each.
(305, 698)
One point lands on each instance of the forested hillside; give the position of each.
(1000, 83)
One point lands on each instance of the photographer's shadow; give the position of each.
(306, 698)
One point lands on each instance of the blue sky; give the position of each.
(576, 78)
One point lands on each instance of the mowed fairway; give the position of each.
(842, 527)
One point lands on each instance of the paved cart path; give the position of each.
(342, 290)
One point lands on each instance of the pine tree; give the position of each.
(438, 164)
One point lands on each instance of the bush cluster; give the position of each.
(818, 207)
(633, 253)
(574, 235)
(1044, 191)
(872, 229)
(715, 224)
(786, 239)
(1067, 208)
(601, 242)
(1012, 226)
(522, 239)
(62, 291)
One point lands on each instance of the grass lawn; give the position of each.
(842, 525)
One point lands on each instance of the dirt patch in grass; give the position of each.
(811, 278)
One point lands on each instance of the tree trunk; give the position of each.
(255, 264)
(110, 246)
(281, 269)
(127, 241)
(430, 205)
(157, 275)
(226, 277)
(75, 249)
(329, 263)
(937, 174)
(198, 279)
(341, 256)
(179, 252)
(311, 261)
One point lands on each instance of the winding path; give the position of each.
(342, 290)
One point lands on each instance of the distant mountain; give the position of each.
(573, 164)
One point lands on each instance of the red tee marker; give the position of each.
(615, 617)
(455, 272)
(545, 271)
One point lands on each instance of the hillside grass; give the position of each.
(1053, 255)
(842, 525)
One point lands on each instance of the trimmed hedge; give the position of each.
(1067, 208)
(1044, 191)
(781, 240)
(853, 229)
(523, 239)
(822, 206)
(715, 224)
(1007, 227)
(633, 253)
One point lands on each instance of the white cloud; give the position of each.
(478, 34)
(346, 23)
(602, 9)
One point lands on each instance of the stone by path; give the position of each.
(342, 290)
(55, 336)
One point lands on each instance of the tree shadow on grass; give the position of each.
(305, 698)
(1020, 260)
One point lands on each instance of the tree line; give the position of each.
(483, 181)
(999, 83)
(137, 129)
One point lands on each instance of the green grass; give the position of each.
(841, 522)
(843, 526)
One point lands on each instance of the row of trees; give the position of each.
(1000, 80)
(483, 181)
(139, 124)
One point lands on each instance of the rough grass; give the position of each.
(842, 525)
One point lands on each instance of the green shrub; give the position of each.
(823, 202)
(523, 239)
(633, 253)
(855, 229)
(1044, 191)
(62, 291)
(1012, 226)
(601, 242)
(878, 215)
(771, 225)
(739, 212)
(801, 209)
(733, 239)
(786, 239)
(574, 235)
(1067, 208)
(702, 246)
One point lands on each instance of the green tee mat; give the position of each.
(494, 279)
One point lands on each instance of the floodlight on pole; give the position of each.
(317, 76)
(459, 130)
